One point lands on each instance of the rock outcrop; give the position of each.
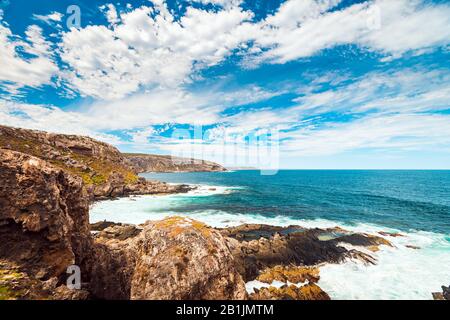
(179, 258)
(44, 224)
(176, 258)
(292, 274)
(161, 163)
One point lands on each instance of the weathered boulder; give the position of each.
(176, 258)
(179, 258)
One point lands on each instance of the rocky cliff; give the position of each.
(104, 170)
(159, 163)
(44, 225)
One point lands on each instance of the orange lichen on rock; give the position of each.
(292, 274)
(178, 224)
(292, 292)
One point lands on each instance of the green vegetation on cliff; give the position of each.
(93, 161)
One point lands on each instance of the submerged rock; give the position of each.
(390, 234)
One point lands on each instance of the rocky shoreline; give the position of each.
(45, 195)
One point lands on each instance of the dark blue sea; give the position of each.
(405, 200)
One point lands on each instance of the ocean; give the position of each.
(415, 203)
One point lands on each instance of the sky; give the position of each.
(307, 84)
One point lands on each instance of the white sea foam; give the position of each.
(401, 272)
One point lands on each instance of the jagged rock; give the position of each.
(118, 232)
(364, 240)
(101, 225)
(18, 285)
(292, 292)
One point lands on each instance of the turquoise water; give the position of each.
(404, 200)
(414, 203)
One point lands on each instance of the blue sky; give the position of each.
(333, 83)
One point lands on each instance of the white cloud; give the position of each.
(406, 90)
(50, 18)
(140, 137)
(397, 132)
(48, 118)
(111, 13)
(155, 107)
(220, 2)
(148, 49)
(302, 28)
(16, 71)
